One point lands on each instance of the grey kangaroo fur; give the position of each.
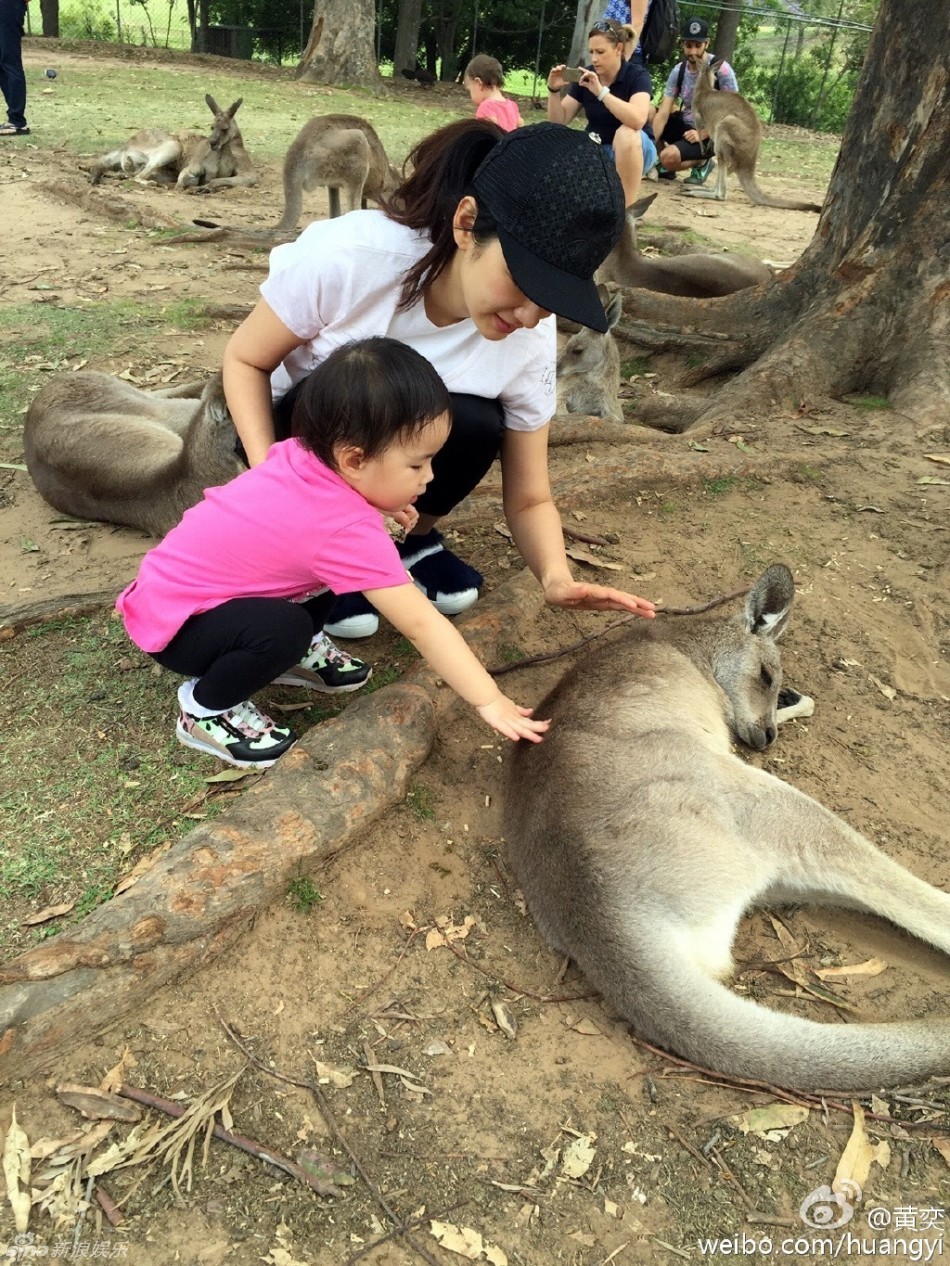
(639, 839)
(588, 368)
(694, 276)
(339, 151)
(197, 163)
(736, 134)
(99, 448)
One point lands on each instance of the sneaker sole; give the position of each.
(294, 679)
(188, 740)
(354, 628)
(453, 603)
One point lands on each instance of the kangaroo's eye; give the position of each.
(766, 678)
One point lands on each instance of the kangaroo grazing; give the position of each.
(639, 839)
(736, 135)
(197, 163)
(99, 448)
(588, 369)
(339, 151)
(694, 276)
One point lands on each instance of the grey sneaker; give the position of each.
(242, 736)
(325, 667)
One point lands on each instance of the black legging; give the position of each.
(240, 646)
(460, 465)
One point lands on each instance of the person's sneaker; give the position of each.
(352, 616)
(242, 736)
(325, 667)
(449, 584)
(663, 174)
(652, 174)
(791, 704)
(699, 175)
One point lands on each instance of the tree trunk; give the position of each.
(407, 36)
(447, 29)
(49, 18)
(588, 11)
(865, 309)
(727, 31)
(341, 48)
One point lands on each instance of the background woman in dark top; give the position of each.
(615, 96)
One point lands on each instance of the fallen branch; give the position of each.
(14, 619)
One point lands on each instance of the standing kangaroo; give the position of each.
(340, 151)
(639, 839)
(695, 276)
(588, 369)
(196, 162)
(736, 134)
(99, 448)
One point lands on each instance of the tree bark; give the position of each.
(865, 308)
(407, 36)
(588, 11)
(341, 48)
(446, 29)
(727, 30)
(49, 17)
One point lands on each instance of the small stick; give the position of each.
(515, 989)
(572, 534)
(500, 670)
(240, 1141)
(374, 1073)
(109, 1207)
(414, 1222)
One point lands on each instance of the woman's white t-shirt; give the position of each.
(340, 281)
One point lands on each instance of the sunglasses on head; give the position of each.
(605, 28)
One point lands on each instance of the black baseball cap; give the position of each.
(558, 204)
(695, 29)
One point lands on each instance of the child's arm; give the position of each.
(444, 648)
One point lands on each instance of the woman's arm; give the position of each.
(560, 109)
(253, 352)
(536, 527)
(445, 650)
(632, 113)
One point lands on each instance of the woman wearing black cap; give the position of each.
(488, 235)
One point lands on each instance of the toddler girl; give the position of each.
(484, 79)
(235, 596)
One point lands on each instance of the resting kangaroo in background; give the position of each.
(695, 276)
(99, 448)
(736, 135)
(639, 839)
(340, 151)
(588, 369)
(196, 162)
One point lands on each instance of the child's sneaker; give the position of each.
(449, 584)
(242, 736)
(325, 667)
(699, 175)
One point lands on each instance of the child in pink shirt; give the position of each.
(484, 79)
(236, 595)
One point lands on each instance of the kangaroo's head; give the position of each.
(586, 352)
(745, 658)
(223, 130)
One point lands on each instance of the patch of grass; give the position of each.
(869, 402)
(717, 487)
(635, 365)
(512, 654)
(303, 895)
(420, 801)
(668, 508)
(806, 474)
(384, 676)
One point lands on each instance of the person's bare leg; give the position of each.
(628, 155)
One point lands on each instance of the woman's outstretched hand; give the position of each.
(597, 598)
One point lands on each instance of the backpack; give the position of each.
(661, 30)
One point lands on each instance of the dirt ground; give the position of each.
(479, 1134)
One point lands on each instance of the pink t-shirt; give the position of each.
(504, 113)
(288, 528)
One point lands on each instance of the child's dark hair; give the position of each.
(368, 394)
(487, 69)
(442, 167)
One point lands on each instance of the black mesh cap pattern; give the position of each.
(559, 206)
(696, 29)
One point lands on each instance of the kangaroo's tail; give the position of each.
(670, 1000)
(752, 191)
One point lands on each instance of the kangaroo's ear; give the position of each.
(212, 104)
(770, 600)
(614, 306)
(639, 208)
(232, 110)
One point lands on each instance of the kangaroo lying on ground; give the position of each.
(588, 369)
(736, 134)
(202, 163)
(695, 276)
(99, 448)
(639, 839)
(340, 151)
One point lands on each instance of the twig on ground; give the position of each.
(400, 1227)
(516, 989)
(410, 1225)
(588, 538)
(113, 1213)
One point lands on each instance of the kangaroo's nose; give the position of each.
(770, 732)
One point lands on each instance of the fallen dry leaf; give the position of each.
(584, 556)
(871, 967)
(938, 457)
(771, 1122)
(51, 912)
(505, 1018)
(116, 1076)
(857, 1158)
(16, 1171)
(97, 1105)
(466, 1242)
(577, 1157)
(887, 691)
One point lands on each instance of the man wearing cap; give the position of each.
(680, 143)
